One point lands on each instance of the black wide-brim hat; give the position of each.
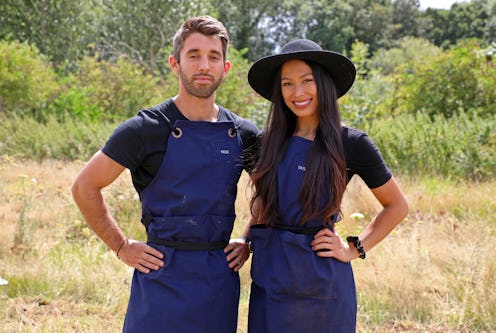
(262, 73)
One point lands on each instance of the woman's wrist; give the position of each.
(357, 244)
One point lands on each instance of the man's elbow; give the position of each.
(403, 208)
(76, 190)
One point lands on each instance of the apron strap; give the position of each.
(190, 246)
(173, 129)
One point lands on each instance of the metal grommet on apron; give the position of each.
(293, 289)
(232, 132)
(177, 133)
(188, 210)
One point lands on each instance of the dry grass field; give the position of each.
(435, 273)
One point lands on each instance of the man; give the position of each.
(185, 157)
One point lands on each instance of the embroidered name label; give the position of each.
(225, 151)
(301, 167)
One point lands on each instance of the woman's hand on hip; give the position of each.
(328, 244)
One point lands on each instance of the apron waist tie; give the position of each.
(190, 246)
(291, 228)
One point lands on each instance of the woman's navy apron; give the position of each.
(188, 211)
(293, 290)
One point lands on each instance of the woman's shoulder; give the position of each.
(357, 143)
(351, 135)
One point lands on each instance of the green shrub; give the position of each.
(73, 102)
(235, 93)
(116, 89)
(407, 50)
(459, 147)
(458, 80)
(26, 138)
(27, 80)
(368, 100)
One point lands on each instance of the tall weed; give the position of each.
(463, 146)
(26, 138)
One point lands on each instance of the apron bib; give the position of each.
(188, 212)
(293, 290)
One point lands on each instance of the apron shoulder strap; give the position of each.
(166, 112)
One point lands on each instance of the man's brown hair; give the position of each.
(206, 25)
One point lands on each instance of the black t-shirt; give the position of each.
(139, 143)
(363, 158)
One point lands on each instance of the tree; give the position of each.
(490, 28)
(60, 30)
(249, 23)
(371, 22)
(408, 50)
(142, 30)
(404, 18)
(446, 27)
(466, 20)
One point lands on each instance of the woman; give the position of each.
(302, 279)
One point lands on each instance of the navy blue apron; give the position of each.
(293, 290)
(188, 211)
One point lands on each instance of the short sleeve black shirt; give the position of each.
(139, 143)
(363, 158)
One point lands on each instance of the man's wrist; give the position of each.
(120, 247)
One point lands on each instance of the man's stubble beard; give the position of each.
(201, 92)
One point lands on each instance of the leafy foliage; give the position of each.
(70, 104)
(459, 147)
(118, 89)
(67, 30)
(26, 138)
(27, 80)
(456, 81)
(464, 20)
(61, 30)
(407, 50)
(141, 30)
(235, 93)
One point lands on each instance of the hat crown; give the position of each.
(300, 45)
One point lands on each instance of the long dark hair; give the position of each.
(325, 177)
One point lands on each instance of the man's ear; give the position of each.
(227, 67)
(174, 64)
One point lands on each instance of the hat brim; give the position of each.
(262, 73)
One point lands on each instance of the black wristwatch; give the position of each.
(358, 244)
